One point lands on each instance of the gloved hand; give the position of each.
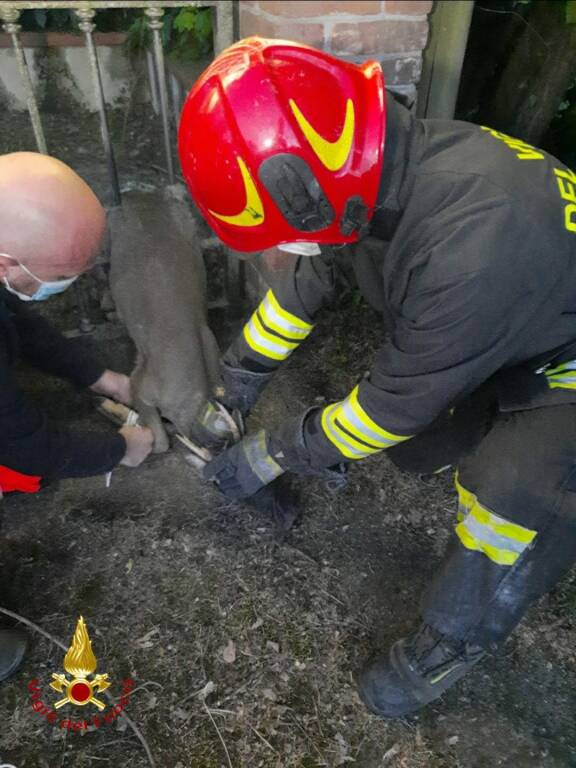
(245, 468)
(241, 387)
(257, 483)
(241, 471)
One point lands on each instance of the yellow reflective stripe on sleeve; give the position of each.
(273, 332)
(369, 428)
(481, 530)
(347, 425)
(346, 445)
(563, 376)
(278, 323)
(281, 344)
(263, 346)
(284, 315)
(562, 384)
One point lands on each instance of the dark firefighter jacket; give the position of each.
(27, 443)
(471, 260)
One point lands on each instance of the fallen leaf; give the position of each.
(390, 753)
(146, 640)
(229, 653)
(271, 646)
(207, 690)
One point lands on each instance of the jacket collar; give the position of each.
(395, 183)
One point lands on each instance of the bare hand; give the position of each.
(114, 385)
(139, 443)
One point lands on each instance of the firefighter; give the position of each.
(465, 239)
(51, 226)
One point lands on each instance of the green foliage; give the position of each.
(186, 20)
(570, 11)
(49, 21)
(191, 33)
(186, 32)
(138, 34)
(65, 20)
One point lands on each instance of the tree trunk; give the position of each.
(538, 74)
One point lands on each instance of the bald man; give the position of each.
(51, 227)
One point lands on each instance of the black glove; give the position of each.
(287, 446)
(241, 387)
(241, 471)
(245, 468)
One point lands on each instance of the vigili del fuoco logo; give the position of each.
(82, 689)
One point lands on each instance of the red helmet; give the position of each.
(282, 143)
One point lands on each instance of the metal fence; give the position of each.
(86, 12)
(153, 11)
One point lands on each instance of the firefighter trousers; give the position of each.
(515, 536)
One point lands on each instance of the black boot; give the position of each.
(13, 644)
(417, 670)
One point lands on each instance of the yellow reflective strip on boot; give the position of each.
(482, 530)
(466, 497)
(499, 556)
(501, 526)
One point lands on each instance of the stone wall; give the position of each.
(393, 32)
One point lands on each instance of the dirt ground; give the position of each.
(241, 640)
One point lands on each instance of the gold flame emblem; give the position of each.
(80, 662)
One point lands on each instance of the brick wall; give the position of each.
(392, 31)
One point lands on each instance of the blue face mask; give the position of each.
(47, 288)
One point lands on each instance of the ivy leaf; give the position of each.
(570, 11)
(185, 21)
(41, 18)
(204, 24)
(166, 32)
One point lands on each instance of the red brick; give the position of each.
(379, 37)
(408, 7)
(303, 8)
(251, 24)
